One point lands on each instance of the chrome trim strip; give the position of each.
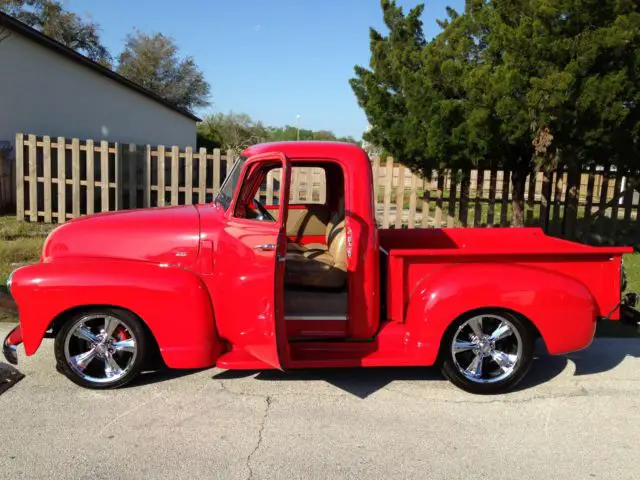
(317, 317)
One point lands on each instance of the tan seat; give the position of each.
(320, 268)
(334, 220)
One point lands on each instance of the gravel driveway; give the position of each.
(574, 418)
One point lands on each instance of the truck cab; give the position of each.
(259, 279)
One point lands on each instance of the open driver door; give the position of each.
(256, 253)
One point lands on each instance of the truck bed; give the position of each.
(412, 254)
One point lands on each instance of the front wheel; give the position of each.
(487, 353)
(101, 349)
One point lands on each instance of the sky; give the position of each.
(272, 59)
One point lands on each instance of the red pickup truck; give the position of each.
(246, 283)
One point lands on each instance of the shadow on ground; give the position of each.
(362, 382)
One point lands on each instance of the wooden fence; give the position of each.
(60, 178)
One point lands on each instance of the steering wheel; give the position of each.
(264, 213)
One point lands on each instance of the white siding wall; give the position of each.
(45, 93)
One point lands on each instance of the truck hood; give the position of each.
(161, 235)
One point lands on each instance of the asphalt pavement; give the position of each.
(575, 417)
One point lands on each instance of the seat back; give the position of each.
(337, 246)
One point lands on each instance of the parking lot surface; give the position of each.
(575, 417)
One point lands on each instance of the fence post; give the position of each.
(439, 193)
(20, 176)
(425, 203)
(493, 187)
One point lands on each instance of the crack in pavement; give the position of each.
(268, 401)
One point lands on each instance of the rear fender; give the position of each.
(173, 302)
(562, 309)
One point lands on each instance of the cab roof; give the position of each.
(343, 152)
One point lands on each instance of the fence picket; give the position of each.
(188, 175)
(491, 209)
(477, 215)
(589, 196)
(33, 180)
(506, 177)
(387, 193)
(545, 199)
(216, 170)
(132, 166)
(20, 176)
(104, 176)
(413, 197)
(400, 197)
(62, 180)
(202, 175)
(439, 192)
(91, 184)
(146, 197)
(531, 198)
(161, 180)
(46, 177)
(453, 190)
(175, 174)
(464, 197)
(426, 200)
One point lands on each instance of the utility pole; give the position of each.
(298, 125)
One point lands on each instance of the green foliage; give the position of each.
(50, 18)
(511, 83)
(153, 62)
(234, 131)
(237, 131)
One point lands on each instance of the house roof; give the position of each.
(11, 23)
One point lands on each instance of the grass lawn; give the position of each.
(21, 242)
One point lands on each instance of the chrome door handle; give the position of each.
(266, 246)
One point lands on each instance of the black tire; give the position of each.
(490, 382)
(134, 361)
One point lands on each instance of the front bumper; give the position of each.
(10, 345)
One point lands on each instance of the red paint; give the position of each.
(197, 277)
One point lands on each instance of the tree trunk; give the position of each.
(518, 183)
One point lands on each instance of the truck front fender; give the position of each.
(561, 308)
(174, 303)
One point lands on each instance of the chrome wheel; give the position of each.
(100, 348)
(486, 348)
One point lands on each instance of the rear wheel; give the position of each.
(101, 349)
(488, 352)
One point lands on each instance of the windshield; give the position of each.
(229, 185)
